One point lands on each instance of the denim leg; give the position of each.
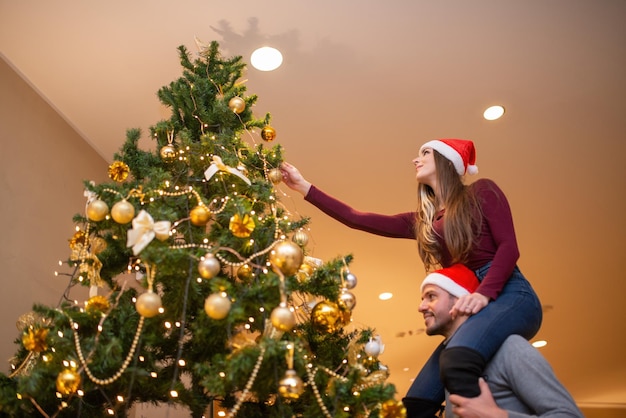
(427, 384)
(516, 311)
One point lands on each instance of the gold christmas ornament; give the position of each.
(237, 104)
(209, 266)
(68, 382)
(287, 257)
(123, 212)
(148, 304)
(200, 215)
(328, 317)
(268, 133)
(168, 153)
(118, 171)
(98, 244)
(392, 409)
(291, 386)
(283, 318)
(78, 238)
(241, 227)
(347, 300)
(275, 175)
(96, 304)
(244, 272)
(304, 272)
(97, 210)
(300, 237)
(217, 305)
(35, 340)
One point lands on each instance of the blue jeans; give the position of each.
(517, 310)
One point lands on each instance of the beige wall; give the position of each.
(43, 162)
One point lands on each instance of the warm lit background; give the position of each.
(362, 85)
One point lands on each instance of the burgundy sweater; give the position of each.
(496, 242)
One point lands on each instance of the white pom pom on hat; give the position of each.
(460, 152)
(458, 280)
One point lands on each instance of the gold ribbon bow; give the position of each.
(144, 230)
(218, 165)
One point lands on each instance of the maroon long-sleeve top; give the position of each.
(496, 242)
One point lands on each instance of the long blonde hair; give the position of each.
(461, 223)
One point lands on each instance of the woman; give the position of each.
(454, 223)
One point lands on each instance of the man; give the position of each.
(518, 381)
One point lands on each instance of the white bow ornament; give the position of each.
(144, 230)
(218, 165)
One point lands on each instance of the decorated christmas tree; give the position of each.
(201, 290)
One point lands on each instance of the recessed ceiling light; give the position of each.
(493, 112)
(540, 343)
(385, 296)
(266, 58)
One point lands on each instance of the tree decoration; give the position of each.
(168, 151)
(149, 303)
(68, 382)
(300, 237)
(392, 409)
(347, 300)
(118, 171)
(275, 175)
(328, 317)
(123, 212)
(217, 305)
(97, 304)
(241, 226)
(208, 266)
(34, 339)
(268, 133)
(283, 318)
(237, 104)
(287, 257)
(200, 215)
(290, 386)
(97, 210)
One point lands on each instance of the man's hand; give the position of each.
(482, 406)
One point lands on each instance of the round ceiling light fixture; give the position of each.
(493, 112)
(266, 58)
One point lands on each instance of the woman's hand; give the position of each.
(469, 304)
(293, 179)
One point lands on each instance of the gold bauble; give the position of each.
(283, 318)
(168, 153)
(275, 175)
(35, 340)
(291, 386)
(217, 305)
(237, 104)
(268, 133)
(200, 215)
(328, 317)
(287, 257)
(148, 304)
(209, 266)
(97, 304)
(97, 210)
(68, 382)
(123, 212)
(392, 409)
(304, 272)
(244, 272)
(347, 300)
(300, 237)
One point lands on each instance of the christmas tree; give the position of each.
(201, 290)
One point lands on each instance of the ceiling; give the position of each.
(362, 85)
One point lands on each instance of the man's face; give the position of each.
(435, 306)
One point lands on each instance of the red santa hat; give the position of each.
(460, 152)
(457, 280)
